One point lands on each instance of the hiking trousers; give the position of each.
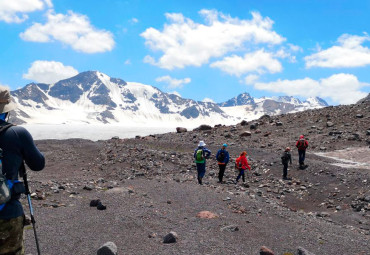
(285, 170)
(241, 174)
(11, 236)
(302, 156)
(201, 168)
(221, 172)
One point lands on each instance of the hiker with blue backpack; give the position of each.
(222, 158)
(201, 153)
(17, 146)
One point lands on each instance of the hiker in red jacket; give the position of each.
(302, 145)
(241, 164)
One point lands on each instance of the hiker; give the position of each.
(200, 155)
(285, 159)
(222, 158)
(302, 145)
(241, 164)
(18, 146)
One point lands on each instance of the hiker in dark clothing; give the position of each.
(222, 158)
(18, 146)
(241, 163)
(285, 159)
(200, 155)
(302, 145)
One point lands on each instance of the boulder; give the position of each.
(253, 126)
(203, 127)
(244, 123)
(359, 116)
(245, 133)
(108, 248)
(181, 130)
(279, 123)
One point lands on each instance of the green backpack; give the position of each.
(199, 156)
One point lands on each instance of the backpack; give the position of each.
(5, 184)
(199, 155)
(221, 156)
(301, 144)
(285, 158)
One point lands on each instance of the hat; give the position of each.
(201, 144)
(6, 103)
(224, 145)
(287, 149)
(243, 153)
(301, 137)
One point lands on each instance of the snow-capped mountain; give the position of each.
(93, 97)
(246, 107)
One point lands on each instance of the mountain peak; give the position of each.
(242, 99)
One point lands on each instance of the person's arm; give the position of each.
(227, 157)
(306, 142)
(217, 155)
(290, 158)
(31, 154)
(246, 163)
(296, 144)
(208, 152)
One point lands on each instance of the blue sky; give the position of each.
(204, 50)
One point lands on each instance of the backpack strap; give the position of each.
(4, 126)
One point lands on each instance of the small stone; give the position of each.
(231, 228)
(87, 187)
(207, 215)
(170, 237)
(359, 116)
(266, 251)
(329, 124)
(108, 248)
(303, 251)
(279, 123)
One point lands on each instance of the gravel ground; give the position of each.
(149, 187)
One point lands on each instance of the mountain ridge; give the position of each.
(94, 97)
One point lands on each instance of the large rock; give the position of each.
(266, 251)
(181, 130)
(203, 127)
(303, 251)
(207, 215)
(170, 237)
(245, 133)
(108, 248)
(244, 123)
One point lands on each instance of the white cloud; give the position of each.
(172, 82)
(341, 88)
(127, 62)
(184, 42)
(14, 11)
(259, 61)
(72, 29)
(251, 79)
(348, 53)
(49, 72)
(208, 100)
(133, 20)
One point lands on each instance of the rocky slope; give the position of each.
(149, 187)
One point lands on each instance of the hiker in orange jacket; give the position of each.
(241, 164)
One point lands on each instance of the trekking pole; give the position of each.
(28, 194)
